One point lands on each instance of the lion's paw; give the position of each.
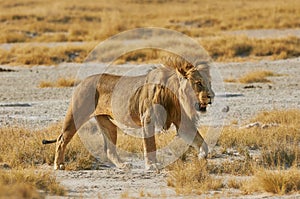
(126, 165)
(153, 167)
(60, 167)
(202, 155)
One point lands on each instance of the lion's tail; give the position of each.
(49, 141)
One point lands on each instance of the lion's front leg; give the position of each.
(149, 145)
(189, 133)
(203, 152)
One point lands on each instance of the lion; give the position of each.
(177, 87)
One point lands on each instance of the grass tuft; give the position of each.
(27, 183)
(191, 177)
(258, 76)
(61, 82)
(274, 181)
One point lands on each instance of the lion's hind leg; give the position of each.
(68, 131)
(109, 131)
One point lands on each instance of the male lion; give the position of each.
(180, 88)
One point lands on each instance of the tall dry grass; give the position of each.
(58, 21)
(240, 48)
(23, 148)
(279, 181)
(43, 55)
(192, 177)
(279, 144)
(28, 184)
(55, 20)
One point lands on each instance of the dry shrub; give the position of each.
(27, 183)
(46, 84)
(43, 55)
(191, 177)
(279, 144)
(240, 48)
(61, 82)
(66, 82)
(289, 117)
(257, 76)
(13, 37)
(235, 184)
(21, 147)
(139, 56)
(4, 56)
(274, 181)
(235, 167)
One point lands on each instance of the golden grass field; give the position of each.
(90, 21)
(279, 146)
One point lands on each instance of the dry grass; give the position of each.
(279, 182)
(235, 167)
(23, 148)
(35, 21)
(279, 144)
(240, 48)
(237, 48)
(27, 183)
(43, 55)
(274, 181)
(192, 177)
(235, 184)
(58, 21)
(257, 76)
(61, 82)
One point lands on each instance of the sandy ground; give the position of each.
(22, 102)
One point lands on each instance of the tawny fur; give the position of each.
(130, 101)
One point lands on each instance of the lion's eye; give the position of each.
(199, 84)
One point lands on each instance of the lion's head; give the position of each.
(196, 79)
(201, 85)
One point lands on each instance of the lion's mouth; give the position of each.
(200, 107)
